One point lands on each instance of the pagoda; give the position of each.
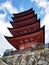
(26, 30)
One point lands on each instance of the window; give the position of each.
(29, 30)
(25, 31)
(26, 40)
(21, 41)
(31, 39)
(21, 32)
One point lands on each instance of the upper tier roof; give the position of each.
(25, 30)
(23, 13)
(24, 23)
(38, 37)
(23, 18)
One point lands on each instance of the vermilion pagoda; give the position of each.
(26, 30)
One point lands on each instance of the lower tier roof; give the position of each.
(38, 37)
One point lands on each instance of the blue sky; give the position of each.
(8, 7)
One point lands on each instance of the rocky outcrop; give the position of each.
(38, 57)
(2, 63)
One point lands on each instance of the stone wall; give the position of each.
(38, 57)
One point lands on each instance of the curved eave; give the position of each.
(32, 19)
(32, 13)
(15, 40)
(38, 21)
(22, 18)
(24, 23)
(27, 19)
(33, 27)
(23, 13)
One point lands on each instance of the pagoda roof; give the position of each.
(24, 13)
(24, 23)
(25, 30)
(38, 37)
(23, 18)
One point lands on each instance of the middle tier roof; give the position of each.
(25, 30)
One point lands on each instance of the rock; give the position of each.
(42, 58)
(40, 62)
(38, 57)
(2, 63)
(23, 62)
(47, 59)
(44, 62)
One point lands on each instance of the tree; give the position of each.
(6, 53)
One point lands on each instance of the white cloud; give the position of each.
(46, 22)
(4, 32)
(8, 5)
(3, 28)
(21, 8)
(4, 44)
(45, 10)
(3, 25)
(47, 37)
